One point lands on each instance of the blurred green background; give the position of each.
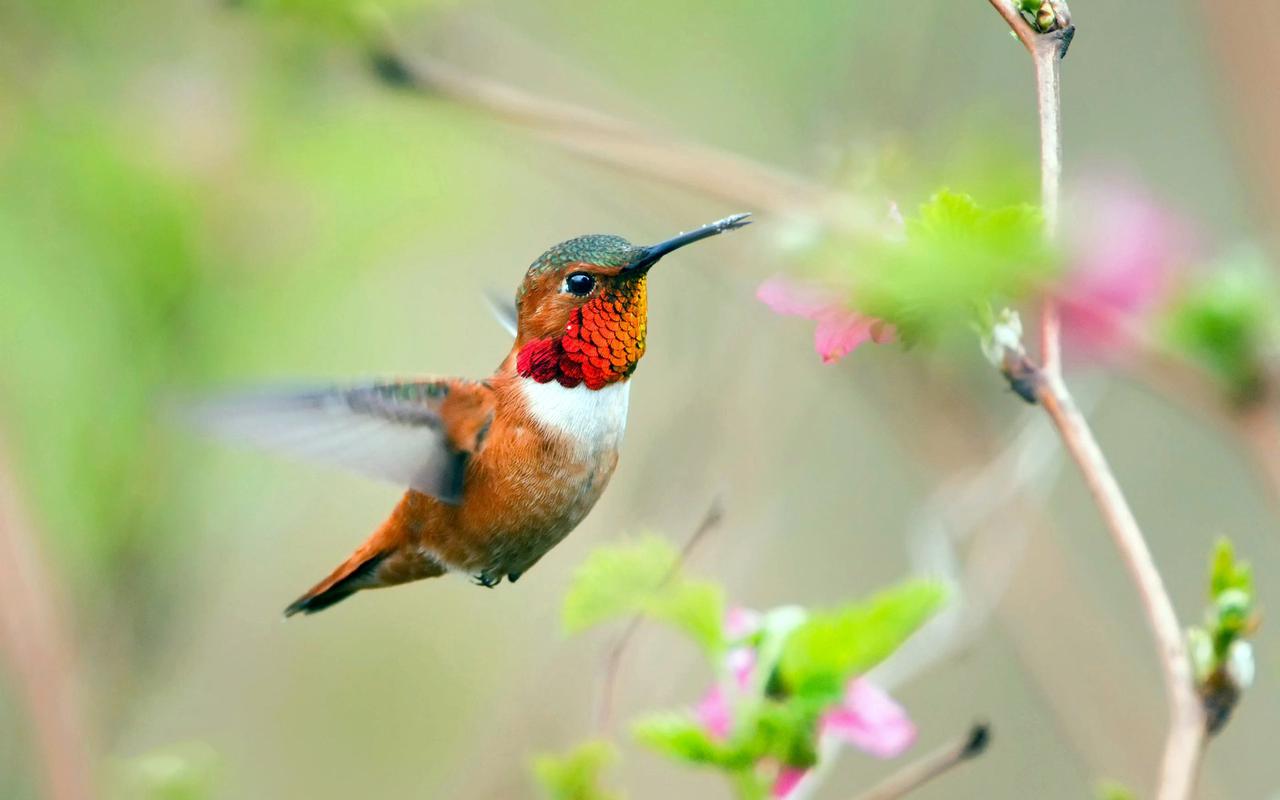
(196, 194)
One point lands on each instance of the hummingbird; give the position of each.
(497, 471)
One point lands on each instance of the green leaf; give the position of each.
(748, 785)
(186, 771)
(1228, 324)
(643, 577)
(787, 731)
(1231, 592)
(617, 581)
(823, 653)
(576, 775)
(680, 736)
(957, 257)
(344, 18)
(1227, 573)
(1113, 790)
(696, 607)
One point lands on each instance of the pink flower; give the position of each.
(715, 713)
(868, 719)
(741, 622)
(865, 717)
(1124, 250)
(787, 781)
(840, 329)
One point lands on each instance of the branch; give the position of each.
(939, 762)
(1186, 717)
(1184, 742)
(620, 143)
(39, 654)
(613, 661)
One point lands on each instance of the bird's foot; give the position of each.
(486, 580)
(514, 576)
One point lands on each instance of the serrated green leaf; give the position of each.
(617, 581)
(643, 577)
(680, 736)
(823, 653)
(696, 607)
(577, 774)
(956, 257)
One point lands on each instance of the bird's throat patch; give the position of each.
(602, 343)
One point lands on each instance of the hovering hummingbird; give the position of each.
(499, 470)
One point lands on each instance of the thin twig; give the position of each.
(1045, 53)
(939, 762)
(39, 653)
(1184, 742)
(613, 661)
(1186, 717)
(620, 143)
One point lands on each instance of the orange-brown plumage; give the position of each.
(500, 470)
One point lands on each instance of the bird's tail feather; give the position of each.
(354, 574)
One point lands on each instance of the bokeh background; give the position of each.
(201, 194)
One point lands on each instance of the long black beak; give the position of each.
(650, 255)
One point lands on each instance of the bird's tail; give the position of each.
(356, 573)
(385, 559)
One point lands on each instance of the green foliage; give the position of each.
(829, 648)
(1114, 790)
(643, 577)
(1221, 654)
(577, 775)
(1230, 615)
(1228, 325)
(343, 18)
(179, 772)
(956, 257)
(680, 736)
(802, 665)
(1225, 572)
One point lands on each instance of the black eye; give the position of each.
(580, 283)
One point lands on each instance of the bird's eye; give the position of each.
(580, 283)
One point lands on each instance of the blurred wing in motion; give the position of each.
(504, 311)
(413, 433)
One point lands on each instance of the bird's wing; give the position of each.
(412, 433)
(504, 310)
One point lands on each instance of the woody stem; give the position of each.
(1184, 740)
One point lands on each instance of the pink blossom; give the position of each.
(870, 720)
(741, 662)
(840, 329)
(1124, 250)
(787, 781)
(867, 718)
(715, 714)
(741, 622)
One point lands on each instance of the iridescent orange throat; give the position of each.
(602, 343)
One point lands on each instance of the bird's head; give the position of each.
(582, 308)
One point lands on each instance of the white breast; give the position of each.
(593, 418)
